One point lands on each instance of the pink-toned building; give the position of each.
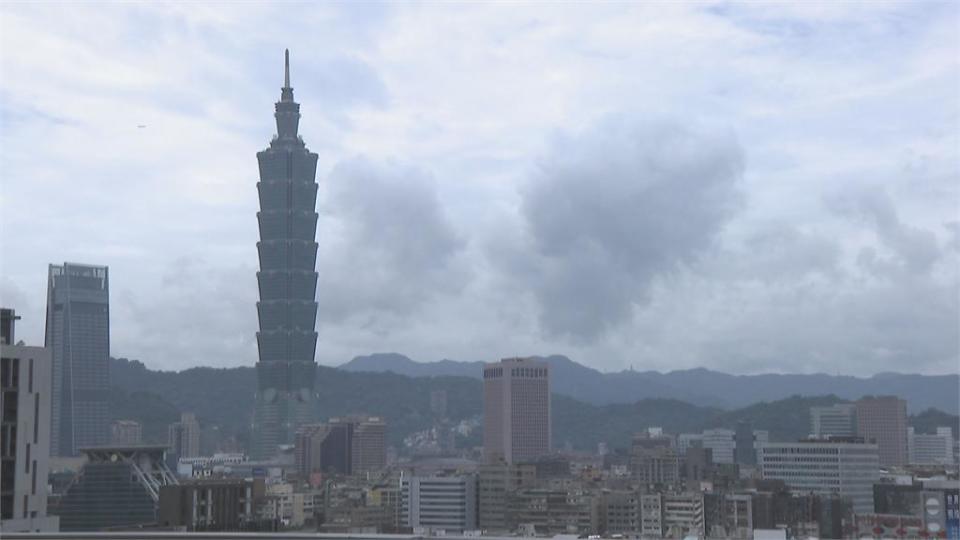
(884, 420)
(516, 410)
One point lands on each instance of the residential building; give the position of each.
(25, 384)
(184, 436)
(884, 420)
(516, 410)
(656, 466)
(287, 309)
(223, 504)
(930, 449)
(496, 482)
(619, 512)
(843, 469)
(564, 508)
(125, 433)
(117, 488)
(839, 420)
(722, 443)
(672, 515)
(439, 503)
(78, 336)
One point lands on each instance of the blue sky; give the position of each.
(748, 187)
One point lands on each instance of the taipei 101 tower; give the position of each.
(287, 280)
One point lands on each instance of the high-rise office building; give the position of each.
(844, 469)
(78, 336)
(931, 449)
(516, 410)
(839, 420)
(369, 449)
(25, 383)
(184, 436)
(884, 420)
(287, 279)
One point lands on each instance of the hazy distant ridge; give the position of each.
(698, 386)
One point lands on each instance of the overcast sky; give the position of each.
(745, 187)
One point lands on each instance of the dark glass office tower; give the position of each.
(78, 336)
(287, 279)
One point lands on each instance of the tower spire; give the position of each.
(286, 68)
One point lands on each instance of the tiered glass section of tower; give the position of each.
(287, 279)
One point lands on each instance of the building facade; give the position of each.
(848, 470)
(930, 449)
(516, 410)
(25, 383)
(839, 420)
(439, 503)
(224, 504)
(287, 279)
(722, 443)
(884, 421)
(369, 449)
(184, 436)
(496, 482)
(125, 433)
(78, 336)
(117, 488)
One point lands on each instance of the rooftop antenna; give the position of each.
(286, 68)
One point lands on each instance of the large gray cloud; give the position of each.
(611, 209)
(387, 245)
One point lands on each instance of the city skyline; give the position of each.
(826, 213)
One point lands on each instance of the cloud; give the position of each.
(387, 244)
(611, 209)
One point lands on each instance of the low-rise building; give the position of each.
(439, 503)
(213, 505)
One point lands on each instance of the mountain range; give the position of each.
(222, 399)
(696, 386)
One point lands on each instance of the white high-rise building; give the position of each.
(439, 503)
(931, 449)
(722, 442)
(26, 380)
(825, 468)
(516, 410)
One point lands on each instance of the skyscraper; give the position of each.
(78, 336)
(287, 279)
(516, 410)
(884, 420)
